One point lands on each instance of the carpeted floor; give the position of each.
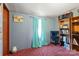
(49, 50)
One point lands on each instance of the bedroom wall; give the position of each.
(21, 33)
(52, 26)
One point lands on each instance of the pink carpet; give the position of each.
(49, 50)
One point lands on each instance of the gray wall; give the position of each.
(21, 33)
(52, 26)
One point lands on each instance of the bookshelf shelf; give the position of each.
(64, 28)
(75, 44)
(64, 34)
(75, 23)
(75, 34)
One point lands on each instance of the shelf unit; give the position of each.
(64, 26)
(75, 33)
(69, 28)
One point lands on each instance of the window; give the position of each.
(39, 28)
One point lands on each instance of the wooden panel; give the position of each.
(5, 30)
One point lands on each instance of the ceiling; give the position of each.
(42, 9)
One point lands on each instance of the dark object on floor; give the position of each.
(11, 52)
(62, 43)
(55, 37)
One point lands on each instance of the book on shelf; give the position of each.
(75, 42)
(64, 26)
(64, 32)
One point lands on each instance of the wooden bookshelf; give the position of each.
(69, 27)
(75, 33)
(64, 26)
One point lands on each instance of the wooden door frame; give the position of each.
(5, 7)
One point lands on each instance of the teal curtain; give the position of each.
(44, 30)
(39, 42)
(35, 41)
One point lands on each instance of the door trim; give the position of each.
(5, 7)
